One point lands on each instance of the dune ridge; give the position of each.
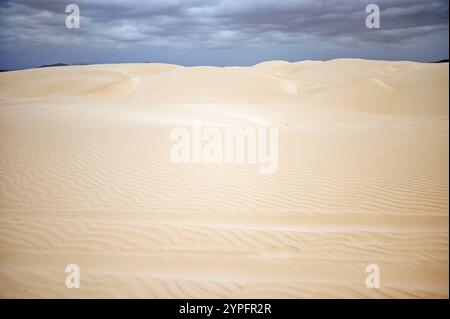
(363, 178)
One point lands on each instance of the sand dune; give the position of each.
(363, 179)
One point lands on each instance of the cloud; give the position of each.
(220, 24)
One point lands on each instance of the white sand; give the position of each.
(363, 178)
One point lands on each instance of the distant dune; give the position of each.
(363, 179)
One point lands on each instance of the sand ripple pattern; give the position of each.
(86, 179)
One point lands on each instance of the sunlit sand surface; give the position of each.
(86, 179)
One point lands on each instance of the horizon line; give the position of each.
(62, 64)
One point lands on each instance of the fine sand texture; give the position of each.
(86, 179)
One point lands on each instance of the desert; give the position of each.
(361, 179)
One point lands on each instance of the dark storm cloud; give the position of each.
(137, 26)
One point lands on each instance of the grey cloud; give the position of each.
(219, 24)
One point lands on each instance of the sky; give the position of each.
(219, 32)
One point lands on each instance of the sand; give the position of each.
(86, 179)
